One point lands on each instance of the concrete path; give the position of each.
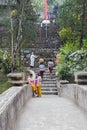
(51, 113)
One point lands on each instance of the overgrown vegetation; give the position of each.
(72, 21)
(71, 61)
(17, 28)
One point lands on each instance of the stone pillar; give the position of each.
(16, 79)
(81, 77)
(60, 85)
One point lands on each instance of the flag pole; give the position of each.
(46, 30)
(46, 13)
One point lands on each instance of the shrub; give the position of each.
(72, 60)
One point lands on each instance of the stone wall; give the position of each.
(75, 92)
(11, 103)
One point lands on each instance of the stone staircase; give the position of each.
(49, 85)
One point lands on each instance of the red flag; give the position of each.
(46, 9)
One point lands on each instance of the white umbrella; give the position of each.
(46, 21)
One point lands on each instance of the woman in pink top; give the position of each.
(38, 84)
(32, 84)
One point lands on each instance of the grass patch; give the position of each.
(4, 85)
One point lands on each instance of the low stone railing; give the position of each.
(81, 77)
(75, 92)
(11, 103)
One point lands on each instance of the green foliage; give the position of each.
(5, 28)
(5, 64)
(73, 30)
(66, 34)
(72, 60)
(29, 29)
(68, 48)
(64, 72)
(85, 44)
(30, 14)
(63, 33)
(72, 15)
(28, 25)
(4, 85)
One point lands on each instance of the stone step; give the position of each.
(50, 82)
(48, 85)
(49, 89)
(50, 93)
(49, 79)
(45, 69)
(46, 73)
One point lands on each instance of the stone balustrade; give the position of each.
(11, 104)
(81, 77)
(74, 92)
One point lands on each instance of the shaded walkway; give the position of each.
(51, 113)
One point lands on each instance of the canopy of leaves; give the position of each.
(73, 14)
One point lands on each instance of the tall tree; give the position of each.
(19, 15)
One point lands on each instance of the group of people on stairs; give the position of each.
(37, 83)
